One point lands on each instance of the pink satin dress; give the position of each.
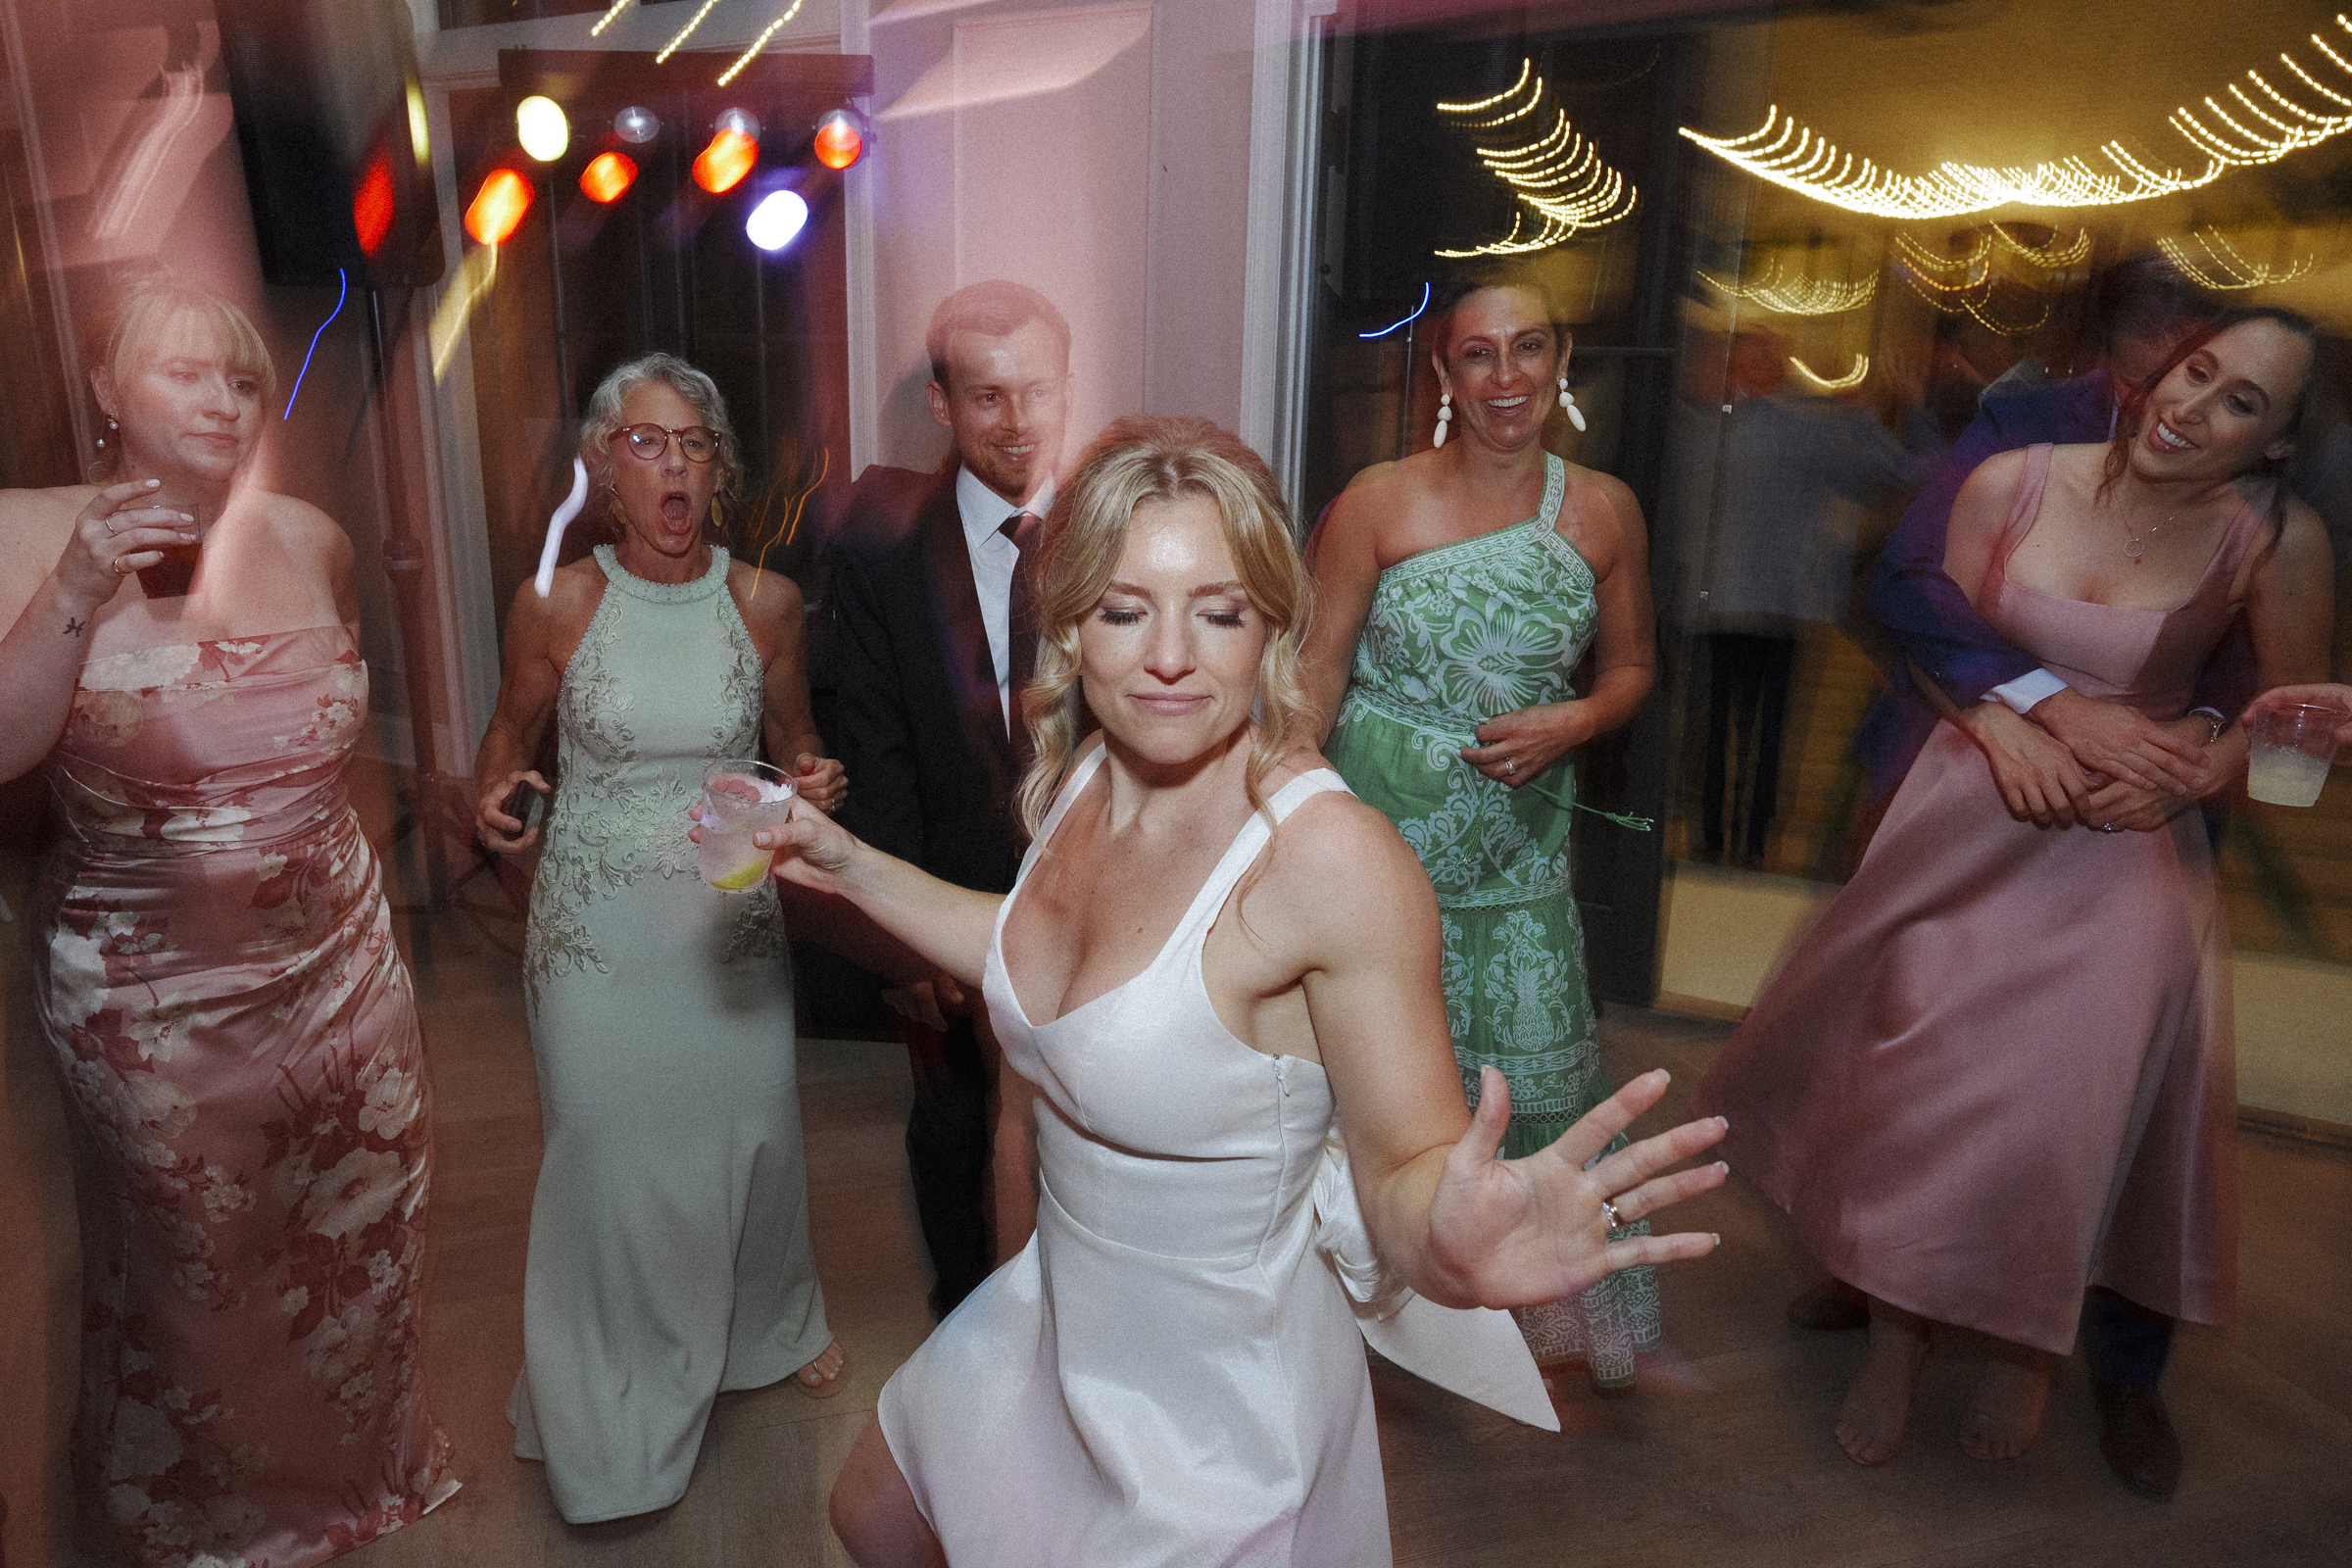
(2001, 1067)
(237, 1038)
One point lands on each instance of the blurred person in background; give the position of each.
(669, 1253)
(932, 644)
(1777, 479)
(235, 1030)
(1999, 1070)
(1456, 591)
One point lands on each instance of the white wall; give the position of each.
(1098, 152)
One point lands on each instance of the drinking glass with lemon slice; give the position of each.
(740, 797)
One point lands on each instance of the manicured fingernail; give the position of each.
(187, 516)
(155, 484)
(1726, 1121)
(1718, 1236)
(187, 536)
(1724, 1166)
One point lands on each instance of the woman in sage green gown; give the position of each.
(1456, 591)
(670, 1253)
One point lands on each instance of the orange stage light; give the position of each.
(371, 203)
(838, 142)
(721, 166)
(499, 207)
(608, 176)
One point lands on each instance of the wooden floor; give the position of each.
(1722, 1457)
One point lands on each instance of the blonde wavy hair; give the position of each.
(1155, 457)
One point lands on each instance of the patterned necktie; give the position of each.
(1020, 632)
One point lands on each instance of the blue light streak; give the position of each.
(342, 292)
(1408, 321)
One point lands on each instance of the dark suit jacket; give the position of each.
(1910, 595)
(931, 768)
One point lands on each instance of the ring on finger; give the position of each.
(120, 570)
(1608, 1212)
(2109, 827)
(1510, 765)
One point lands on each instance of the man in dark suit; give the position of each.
(932, 644)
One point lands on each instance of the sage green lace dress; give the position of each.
(1458, 635)
(670, 1253)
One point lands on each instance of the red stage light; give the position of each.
(608, 176)
(499, 207)
(721, 166)
(839, 142)
(371, 203)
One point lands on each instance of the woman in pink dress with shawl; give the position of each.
(214, 970)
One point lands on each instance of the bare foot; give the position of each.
(2004, 1414)
(821, 1378)
(1871, 1422)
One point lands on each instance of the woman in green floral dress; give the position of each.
(1456, 590)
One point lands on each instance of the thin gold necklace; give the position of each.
(2135, 545)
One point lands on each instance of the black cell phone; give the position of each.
(531, 808)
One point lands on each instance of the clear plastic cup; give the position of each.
(2294, 747)
(740, 797)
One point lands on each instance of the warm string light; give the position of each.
(758, 43)
(1846, 382)
(671, 48)
(1969, 280)
(2244, 146)
(1558, 177)
(1789, 155)
(1527, 68)
(605, 21)
(1797, 296)
(2223, 259)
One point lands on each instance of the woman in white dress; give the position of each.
(1214, 955)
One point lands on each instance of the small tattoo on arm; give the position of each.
(74, 627)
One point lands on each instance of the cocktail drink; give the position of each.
(740, 797)
(2294, 747)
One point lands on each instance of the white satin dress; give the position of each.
(1173, 1371)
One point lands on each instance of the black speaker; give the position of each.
(330, 122)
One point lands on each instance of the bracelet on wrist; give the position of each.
(2215, 718)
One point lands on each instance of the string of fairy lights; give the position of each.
(1559, 182)
(661, 56)
(2217, 264)
(1852, 379)
(1796, 296)
(2264, 125)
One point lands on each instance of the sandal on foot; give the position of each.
(819, 1384)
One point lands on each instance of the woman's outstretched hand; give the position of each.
(810, 850)
(1514, 1232)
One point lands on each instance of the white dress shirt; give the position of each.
(993, 558)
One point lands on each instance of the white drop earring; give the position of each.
(1576, 415)
(1444, 417)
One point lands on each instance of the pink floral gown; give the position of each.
(238, 1037)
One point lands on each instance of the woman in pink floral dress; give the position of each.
(236, 1033)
